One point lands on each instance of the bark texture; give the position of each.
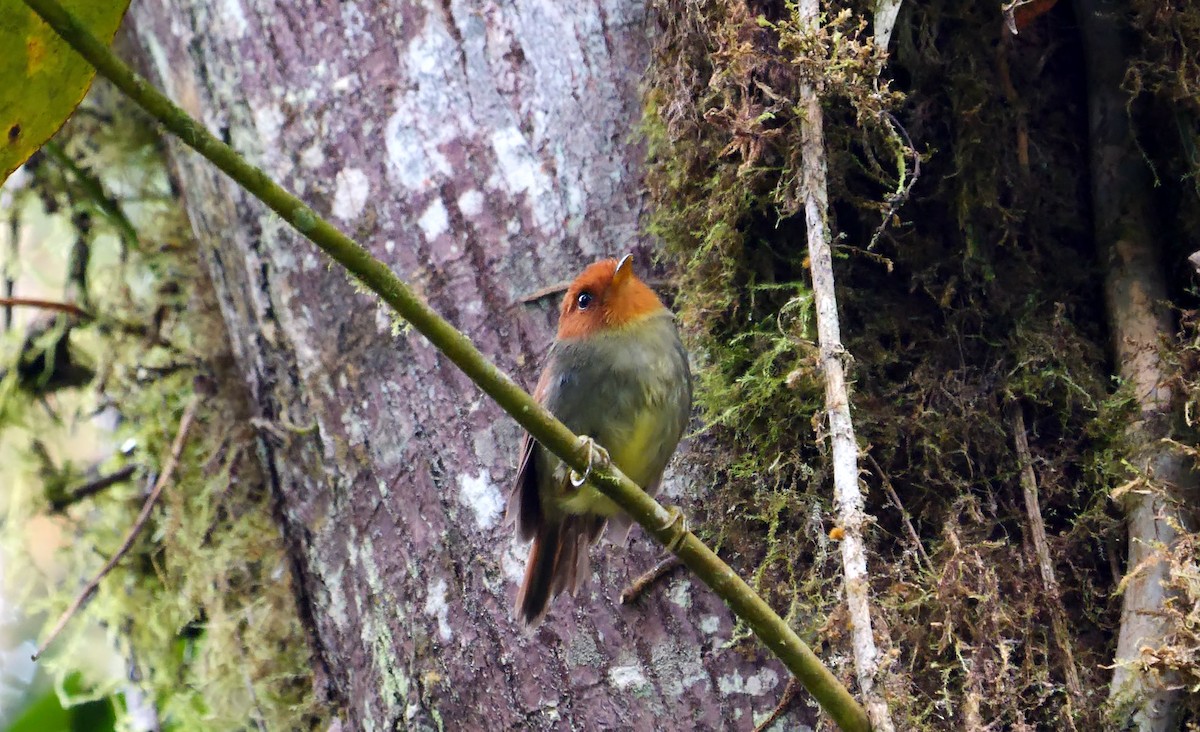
(483, 150)
(1136, 298)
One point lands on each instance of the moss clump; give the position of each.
(983, 292)
(200, 611)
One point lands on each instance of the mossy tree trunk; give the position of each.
(1137, 300)
(483, 151)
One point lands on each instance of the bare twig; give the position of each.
(163, 478)
(785, 701)
(14, 251)
(93, 487)
(31, 302)
(895, 499)
(904, 188)
(548, 291)
(1041, 547)
(846, 494)
(649, 577)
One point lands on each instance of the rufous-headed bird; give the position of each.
(617, 373)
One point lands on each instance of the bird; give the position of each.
(617, 374)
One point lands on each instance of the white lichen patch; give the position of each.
(583, 651)
(470, 203)
(313, 156)
(478, 493)
(512, 561)
(627, 674)
(521, 173)
(678, 666)
(350, 194)
(232, 19)
(268, 122)
(434, 221)
(710, 624)
(680, 593)
(436, 607)
(756, 684)
(428, 112)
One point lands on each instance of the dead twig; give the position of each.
(644, 580)
(548, 291)
(32, 302)
(895, 499)
(164, 477)
(1041, 547)
(789, 694)
(92, 487)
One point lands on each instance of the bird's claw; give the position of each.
(596, 456)
(677, 525)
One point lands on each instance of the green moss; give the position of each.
(200, 610)
(983, 290)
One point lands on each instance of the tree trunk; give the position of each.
(1136, 297)
(482, 150)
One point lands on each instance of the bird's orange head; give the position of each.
(606, 296)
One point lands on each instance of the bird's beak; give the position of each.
(624, 270)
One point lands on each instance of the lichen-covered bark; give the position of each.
(483, 150)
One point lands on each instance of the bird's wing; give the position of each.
(524, 503)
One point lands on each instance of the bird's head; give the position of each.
(606, 296)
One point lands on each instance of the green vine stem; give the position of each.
(667, 527)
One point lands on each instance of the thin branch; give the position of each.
(549, 291)
(33, 302)
(904, 189)
(96, 193)
(92, 487)
(895, 499)
(14, 253)
(665, 526)
(163, 478)
(1041, 547)
(785, 701)
(846, 494)
(644, 580)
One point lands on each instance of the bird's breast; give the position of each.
(629, 390)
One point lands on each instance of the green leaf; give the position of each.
(41, 79)
(44, 714)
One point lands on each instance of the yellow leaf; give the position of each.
(41, 79)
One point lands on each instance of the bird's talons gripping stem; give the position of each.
(596, 456)
(677, 524)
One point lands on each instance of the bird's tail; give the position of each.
(558, 560)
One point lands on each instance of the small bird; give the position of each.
(617, 373)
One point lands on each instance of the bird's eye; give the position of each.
(584, 300)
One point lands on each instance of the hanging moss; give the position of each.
(200, 610)
(981, 291)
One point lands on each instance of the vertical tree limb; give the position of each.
(1041, 547)
(847, 497)
(886, 12)
(1135, 291)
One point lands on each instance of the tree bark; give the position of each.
(1136, 295)
(482, 150)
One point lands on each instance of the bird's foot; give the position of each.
(677, 525)
(597, 456)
